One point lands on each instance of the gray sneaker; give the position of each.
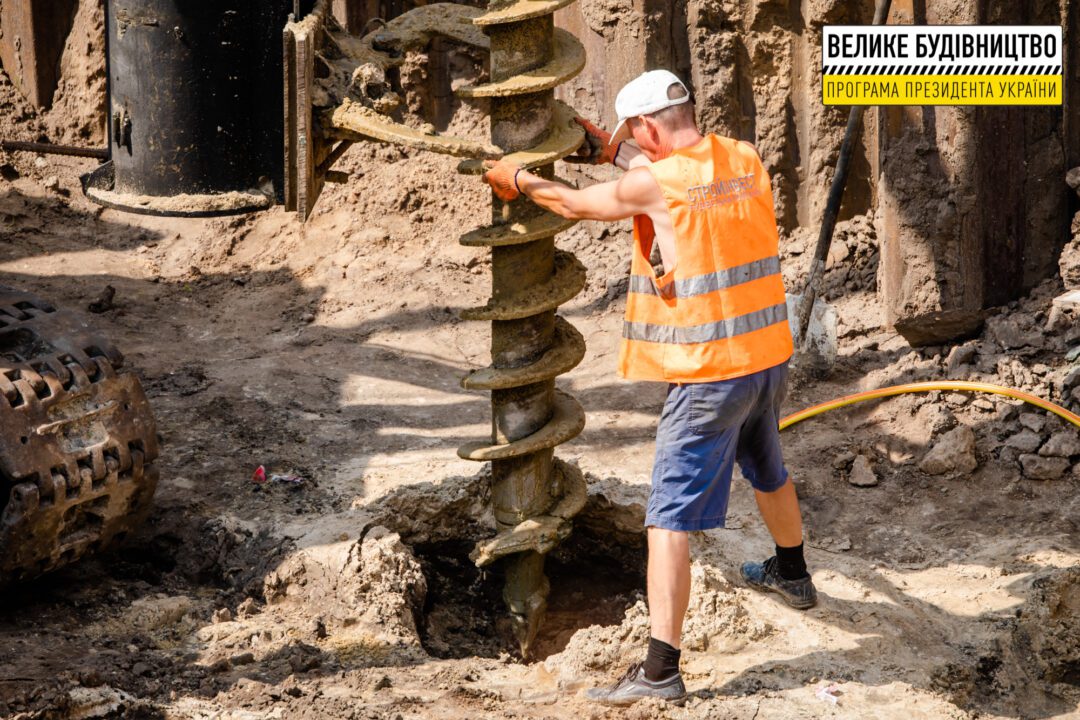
(799, 594)
(634, 686)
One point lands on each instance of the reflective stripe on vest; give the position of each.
(702, 284)
(720, 312)
(709, 332)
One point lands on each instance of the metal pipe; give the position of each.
(521, 485)
(50, 149)
(836, 196)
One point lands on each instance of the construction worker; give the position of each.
(712, 323)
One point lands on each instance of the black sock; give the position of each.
(662, 661)
(790, 562)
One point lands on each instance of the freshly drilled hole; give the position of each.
(464, 614)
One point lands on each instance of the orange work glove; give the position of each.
(598, 148)
(502, 177)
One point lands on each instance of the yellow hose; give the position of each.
(930, 387)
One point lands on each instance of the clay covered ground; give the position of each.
(943, 528)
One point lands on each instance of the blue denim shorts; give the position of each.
(704, 430)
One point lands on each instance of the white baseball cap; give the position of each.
(644, 95)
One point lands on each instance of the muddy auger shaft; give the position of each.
(534, 494)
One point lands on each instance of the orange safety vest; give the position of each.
(720, 313)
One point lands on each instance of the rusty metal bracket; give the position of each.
(341, 88)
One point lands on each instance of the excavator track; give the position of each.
(77, 440)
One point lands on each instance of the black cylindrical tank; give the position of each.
(196, 105)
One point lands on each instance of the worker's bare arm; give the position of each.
(630, 157)
(635, 193)
(639, 160)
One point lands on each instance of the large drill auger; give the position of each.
(535, 495)
(340, 88)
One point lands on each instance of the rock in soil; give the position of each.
(843, 460)
(1062, 444)
(959, 356)
(1012, 332)
(247, 608)
(957, 399)
(936, 417)
(245, 658)
(220, 666)
(1037, 467)
(104, 301)
(1033, 421)
(953, 453)
(1026, 441)
(862, 473)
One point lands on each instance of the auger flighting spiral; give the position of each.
(534, 494)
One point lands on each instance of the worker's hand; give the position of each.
(597, 148)
(603, 137)
(502, 177)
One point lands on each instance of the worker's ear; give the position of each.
(652, 129)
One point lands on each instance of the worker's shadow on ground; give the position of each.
(999, 677)
(914, 521)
